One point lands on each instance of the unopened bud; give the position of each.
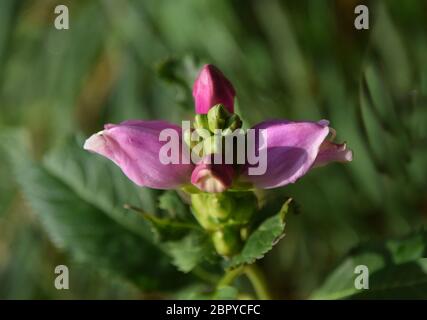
(217, 117)
(227, 241)
(210, 88)
(212, 210)
(201, 121)
(234, 122)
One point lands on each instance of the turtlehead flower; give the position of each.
(210, 88)
(292, 148)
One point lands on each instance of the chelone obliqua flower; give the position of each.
(292, 148)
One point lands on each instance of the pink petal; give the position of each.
(212, 177)
(332, 152)
(134, 146)
(291, 147)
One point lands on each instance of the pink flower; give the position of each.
(212, 87)
(292, 148)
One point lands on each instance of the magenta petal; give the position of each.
(332, 152)
(212, 177)
(134, 146)
(210, 88)
(291, 147)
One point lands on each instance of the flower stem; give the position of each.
(255, 276)
(258, 282)
(229, 277)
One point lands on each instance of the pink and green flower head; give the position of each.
(291, 148)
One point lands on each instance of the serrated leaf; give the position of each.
(87, 230)
(397, 269)
(189, 251)
(98, 181)
(263, 238)
(186, 243)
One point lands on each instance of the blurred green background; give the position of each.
(124, 59)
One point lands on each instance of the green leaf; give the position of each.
(404, 281)
(189, 251)
(185, 242)
(226, 293)
(397, 269)
(87, 226)
(98, 181)
(179, 234)
(263, 238)
(172, 203)
(195, 291)
(8, 189)
(181, 73)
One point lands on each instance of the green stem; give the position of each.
(204, 275)
(229, 277)
(255, 276)
(258, 282)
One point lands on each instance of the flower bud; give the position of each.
(234, 122)
(214, 210)
(212, 177)
(218, 117)
(227, 242)
(201, 121)
(210, 88)
(211, 209)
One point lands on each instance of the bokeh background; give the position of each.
(125, 59)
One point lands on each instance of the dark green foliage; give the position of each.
(397, 269)
(90, 227)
